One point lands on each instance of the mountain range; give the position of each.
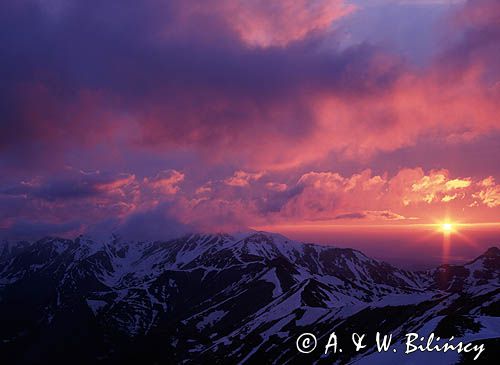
(240, 298)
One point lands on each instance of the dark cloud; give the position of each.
(73, 76)
(26, 229)
(351, 216)
(477, 45)
(275, 201)
(69, 185)
(156, 224)
(123, 75)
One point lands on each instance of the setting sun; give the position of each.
(447, 227)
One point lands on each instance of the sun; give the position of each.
(447, 227)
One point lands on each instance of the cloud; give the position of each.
(292, 99)
(137, 207)
(263, 23)
(386, 215)
(414, 186)
(449, 198)
(374, 215)
(328, 195)
(429, 187)
(421, 2)
(163, 100)
(70, 185)
(457, 184)
(350, 216)
(276, 186)
(165, 182)
(158, 223)
(206, 188)
(489, 194)
(242, 178)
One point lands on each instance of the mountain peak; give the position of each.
(492, 252)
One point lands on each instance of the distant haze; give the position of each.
(415, 248)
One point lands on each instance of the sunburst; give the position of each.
(447, 227)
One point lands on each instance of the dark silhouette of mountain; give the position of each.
(220, 298)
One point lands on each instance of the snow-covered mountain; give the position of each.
(220, 298)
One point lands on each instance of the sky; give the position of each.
(157, 118)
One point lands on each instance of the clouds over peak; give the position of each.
(232, 113)
(123, 200)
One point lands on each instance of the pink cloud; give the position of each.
(265, 107)
(166, 182)
(263, 23)
(327, 195)
(317, 122)
(276, 186)
(489, 193)
(94, 198)
(242, 178)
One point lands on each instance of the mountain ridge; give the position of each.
(203, 293)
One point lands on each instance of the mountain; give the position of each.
(221, 298)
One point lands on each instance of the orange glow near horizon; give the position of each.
(415, 244)
(445, 226)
